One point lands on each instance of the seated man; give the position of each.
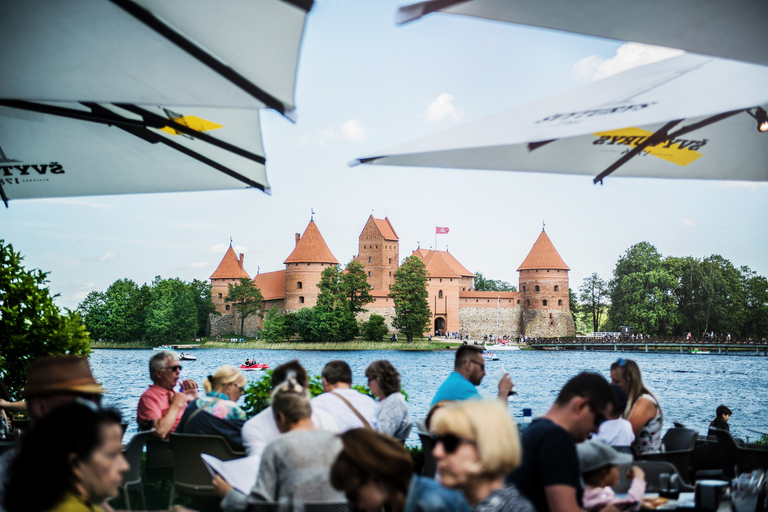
(262, 428)
(160, 407)
(468, 372)
(248, 362)
(549, 474)
(350, 408)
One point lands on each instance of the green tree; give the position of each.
(755, 304)
(375, 328)
(126, 306)
(641, 292)
(355, 285)
(593, 295)
(409, 291)
(246, 299)
(331, 294)
(31, 325)
(172, 314)
(276, 326)
(202, 294)
(491, 285)
(93, 311)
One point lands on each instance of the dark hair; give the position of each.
(367, 454)
(280, 374)
(591, 386)
(74, 428)
(464, 352)
(291, 399)
(595, 477)
(620, 398)
(722, 410)
(386, 374)
(337, 371)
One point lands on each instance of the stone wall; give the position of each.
(387, 312)
(230, 325)
(548, 324)
(478, 321)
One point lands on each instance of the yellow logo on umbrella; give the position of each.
(677, 151)
(193, 122)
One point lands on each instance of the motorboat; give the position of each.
(490, 356)
(506, 347)
(254, 366)
(699, 351)
(187, 357)
(163, 347)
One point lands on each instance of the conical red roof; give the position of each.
(230, 267)
(442, 264)
(311, 248)
(543, 256)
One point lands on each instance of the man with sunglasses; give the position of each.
(160, 407)
(468, 372)
(549, 474)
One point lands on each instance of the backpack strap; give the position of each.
(357, 413)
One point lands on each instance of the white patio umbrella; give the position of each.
(685, 117)
(130, 96)
(732, 30)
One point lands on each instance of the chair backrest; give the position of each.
(652, 470)
(132, 454)
(430, 464)
(159, 463)
(679, 439)
(189, 470)
(729, 451)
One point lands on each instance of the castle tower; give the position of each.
(229, 271)
(378, 251)
(303, 268)
(544, 287)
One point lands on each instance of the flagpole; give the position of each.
(435, 238)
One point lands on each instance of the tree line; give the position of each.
(165, 311)
(673, 295)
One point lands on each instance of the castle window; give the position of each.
(390, 274)
(550, 315)
(440, 294)
(219, 295)
(510, 300)
(560, 302)
(307, 264)
(537, 288)
(441, 280)
(477, 300)
(527, 302)
(298, 285)
(544, 302)
(557, 288)
(523, 288)
(518, 301)
(301, 300)
(390, 260)
(488, 300)
(227, 307)
(369, 273)
(547, 270)
(369, 259)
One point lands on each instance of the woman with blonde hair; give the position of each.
(643, 410)
(218, 413)
(376, 473)
(476, 445)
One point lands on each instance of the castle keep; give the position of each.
(539, 309)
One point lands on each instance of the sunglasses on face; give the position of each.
(450, 442)
(478, 363)
(173, 368)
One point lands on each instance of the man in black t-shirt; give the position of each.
(549, 473)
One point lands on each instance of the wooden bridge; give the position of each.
(755, 348)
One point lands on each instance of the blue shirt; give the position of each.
(455, 387)
(426, 495)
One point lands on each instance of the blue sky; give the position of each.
(365, 85)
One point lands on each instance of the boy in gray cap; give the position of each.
(599, 464)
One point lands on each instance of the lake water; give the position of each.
(689, 387)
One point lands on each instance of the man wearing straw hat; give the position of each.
(52, 382)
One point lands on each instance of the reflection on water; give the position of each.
(688, 386)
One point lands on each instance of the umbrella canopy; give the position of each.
(685, 117)
(228, 53)
(732, 30)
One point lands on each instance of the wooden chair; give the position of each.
(190, 474)
(132, 477)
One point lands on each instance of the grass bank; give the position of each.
(251, 344)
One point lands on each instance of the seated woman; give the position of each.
(722, 415)
(296, 463)
(643, 409)
(217, 413)
(376, 473)
(476, 445)
(393, 415)
(71, 461)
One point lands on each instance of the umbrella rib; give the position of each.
(705, 122)
(150, 20)
(660, 135)
(106, 117)
(3, 196)
(156, 119)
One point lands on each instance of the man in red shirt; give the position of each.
(160, 407)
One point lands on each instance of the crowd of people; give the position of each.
(343, 445)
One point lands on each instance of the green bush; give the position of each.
(375, 328)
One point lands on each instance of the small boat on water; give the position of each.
(163, 347)
(699, 351)
(490, 356)
(254, 366)
(187, 357)
(506, 347)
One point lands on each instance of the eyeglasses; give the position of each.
(478, 363)
(450, 442)
(173, 368)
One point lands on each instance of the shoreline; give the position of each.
(415, 346)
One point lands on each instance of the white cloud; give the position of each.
(198, 264)
(222, 248)
(442, 108)
(628, 56)
(108, 256)
(350, 130)
(688, 222)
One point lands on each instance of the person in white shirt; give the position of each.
(616, 431)
(262, 428)
(350, 408)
